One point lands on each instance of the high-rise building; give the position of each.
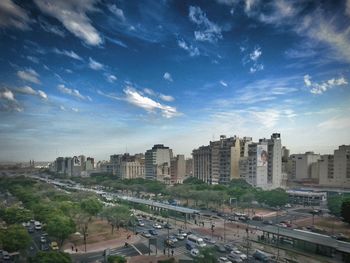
(189, 167)
(177, 169)
(76, 166)
(334, 170)
(202, 163)
(60, 167)
(274, 171)
(157, 163)
(301, 165)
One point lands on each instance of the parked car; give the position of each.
(173, 238)
(43, 239)
(223, 260)
(240, 254)
(44, 247)
(194, 252)
(31, 229)
(209, 240)
(168, 226)
(230, 247)
(189, 246)
(5, 255)
(180, 236)
(146, 235)
(157, 226)
(141, 223)
(169, 243)
(220, 248)
(153, 232)
(234, 258)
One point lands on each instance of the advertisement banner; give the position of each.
(76, 161)
(262, 155)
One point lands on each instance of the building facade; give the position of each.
(157, 163)
(177, 169)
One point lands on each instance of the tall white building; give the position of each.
(274, 172)
(157, 163)
(301, 165)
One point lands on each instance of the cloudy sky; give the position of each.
(98, 77)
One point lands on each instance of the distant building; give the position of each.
(202, 164)
(177, 169)
(157, 163)
(189, 167)
(301, 166)
(334, 170)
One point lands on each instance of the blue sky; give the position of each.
(98, 77)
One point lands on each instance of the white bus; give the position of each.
(194, 241)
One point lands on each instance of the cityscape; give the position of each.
(174, 131)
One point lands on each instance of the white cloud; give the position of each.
(33, 59)
(95, 65)
(30, 91)
(267, 118)
(167, 98)
(7, 95)
(208, 31)
(117, 12)
(307, 80)
(72, 92)
(67, 53)
(256, 67)
(319, 88)
(73, 15)
(51, 28)
(256, 53)
(29, 75)
(111, 96)
(42, 94)
(167, 76)
(137, 99)
(223, 83)
(75, 109)
(337, 123)
(11, 15)
(149, 92)
(111, 78)
(193, 51)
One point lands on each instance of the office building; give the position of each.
(301, 166)
(189, 167)
(157, 163)
(177, 169)
(202, 164)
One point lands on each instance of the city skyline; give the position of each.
(103, 77)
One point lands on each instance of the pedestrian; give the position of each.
(172, 252)
(76, 250)
(164, 251)
(72, 248)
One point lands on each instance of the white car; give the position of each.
(194, 252)
(157, 226)
(240, 254)
(224, 260)
(140, 223)
(180, 236)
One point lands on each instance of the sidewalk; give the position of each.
(102, 245)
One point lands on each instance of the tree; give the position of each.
(91, 206)
(14, 238)
(17, 215)
(51, 257)
(335, 203)
(274, 198)
(206, 255)
(345, 210)
(116, 259)
(60, 227)
(116, 216)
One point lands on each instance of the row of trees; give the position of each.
(339, 205)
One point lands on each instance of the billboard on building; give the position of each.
(76, 161)
(262, 155)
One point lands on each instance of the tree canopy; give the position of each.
(14, 238)
(51, 257)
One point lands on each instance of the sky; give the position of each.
(98, 77)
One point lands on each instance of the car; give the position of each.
(157, 226)
(194, 252)
(5, 255)
(257, 218)
(43, 239)
(209, 240)
(168, 226)
(234, 258)
(267, 222)
(169, 243)
(141, 223)
(281, 225)
(153, 232)
(44, 247)
(173, 238)
(30, 229)
(146, 235)
(220, 248)
(288, 206)
(230, 247)
(180, 236)
(261, 256)
(54, 245)
(189, 246)
(223, 260)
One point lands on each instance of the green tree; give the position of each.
(51, 257)
(116, 259)
(116, 216)
(14, 238)
(206, 255)
(91, 206)
(60, 227)
(16, 215)
(335, 202)
(345, 210)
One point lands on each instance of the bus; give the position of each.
(194, 241)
